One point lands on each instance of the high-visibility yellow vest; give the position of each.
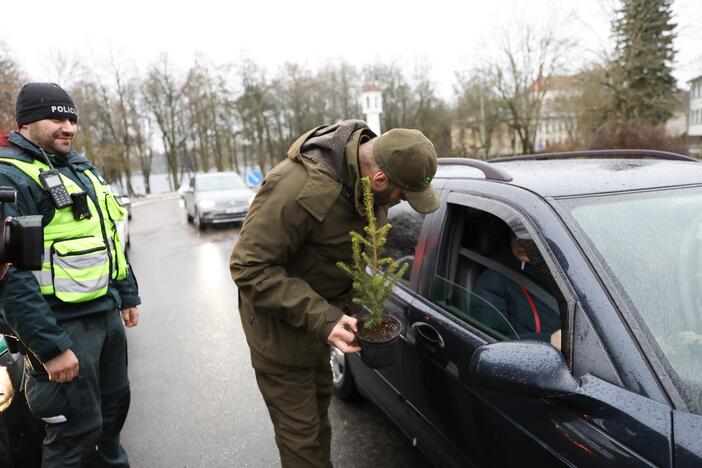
(80, 256)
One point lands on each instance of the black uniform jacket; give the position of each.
(34, 317)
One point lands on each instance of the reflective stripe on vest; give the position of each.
(78, 257)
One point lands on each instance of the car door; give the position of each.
(688, 433)
(466, 424)
(386, 387)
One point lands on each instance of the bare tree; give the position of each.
(162, 95)
(210, 118)
(125, 89)
(479, 111)
(143, 134)
(338, 87)
(430, 114)
(296, 90)
(63, 68)
(529, 56)
(197, 104)
(114, 113)
(257, 113)
(412, 103)
(11, 80)
(94, 137)
(397, 94)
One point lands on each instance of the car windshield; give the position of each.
(650, 244)
(219, 182)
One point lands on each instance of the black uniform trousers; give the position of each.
(84, 417)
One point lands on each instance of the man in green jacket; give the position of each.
(292, 296)
(70, 316)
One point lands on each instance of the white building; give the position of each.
(557, 121)
(695, 116)
(372, 106)
(676, 125)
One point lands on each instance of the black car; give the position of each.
(614, 244)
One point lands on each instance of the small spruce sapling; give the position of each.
(373, 277)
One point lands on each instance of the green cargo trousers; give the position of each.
(297, 401)
(84, 417)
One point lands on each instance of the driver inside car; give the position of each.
(510, 308)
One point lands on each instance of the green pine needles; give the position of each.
(373, 277)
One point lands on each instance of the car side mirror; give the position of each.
(525, 367)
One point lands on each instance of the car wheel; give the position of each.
(342, 379)
(189, 217)
(199, 223)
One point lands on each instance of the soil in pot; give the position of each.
(386, 330)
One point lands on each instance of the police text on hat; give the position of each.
(38, 101)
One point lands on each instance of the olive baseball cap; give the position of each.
(408, 159)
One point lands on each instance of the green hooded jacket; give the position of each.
(291, 293)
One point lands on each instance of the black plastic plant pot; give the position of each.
(378, 355)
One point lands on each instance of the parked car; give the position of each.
(123, 226)
(123, 199)
(616, 240)
(218, 197)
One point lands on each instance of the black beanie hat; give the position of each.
(37, 101)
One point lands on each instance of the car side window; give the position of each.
(493, 281)
(404, 235)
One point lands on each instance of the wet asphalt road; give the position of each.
(194, 397)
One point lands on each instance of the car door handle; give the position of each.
(429, 336)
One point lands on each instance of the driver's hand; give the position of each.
(556, 339)
(342, 335)
(3, 269)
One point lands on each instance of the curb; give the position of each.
(155, 198)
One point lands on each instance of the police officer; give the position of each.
(70, 315)
(292, 296)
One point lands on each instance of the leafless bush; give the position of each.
(636, 135)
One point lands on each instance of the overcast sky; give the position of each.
(446, 35)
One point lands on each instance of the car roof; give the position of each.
(581, 176)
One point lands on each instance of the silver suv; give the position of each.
(217, 197)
